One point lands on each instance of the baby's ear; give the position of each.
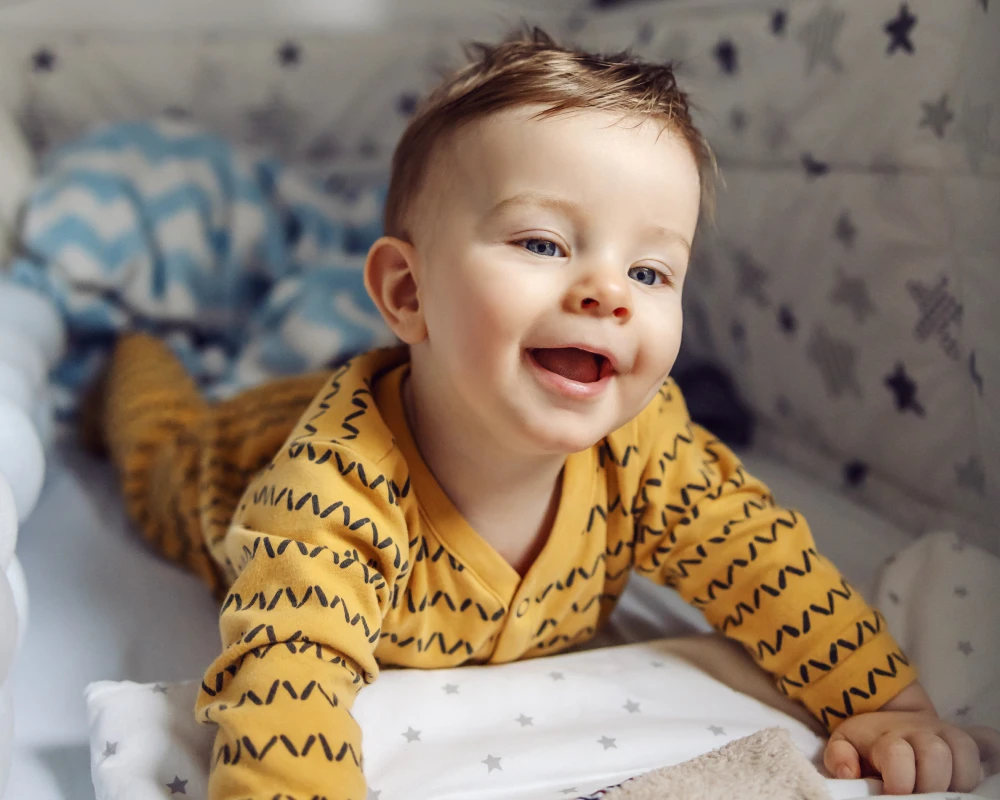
(391, 281)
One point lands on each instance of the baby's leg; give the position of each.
(183, 463)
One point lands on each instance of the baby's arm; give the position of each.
(314, 544)
(711, 530)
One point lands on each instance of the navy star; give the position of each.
(786, 319)
(178, 786)
(289, 54)
(899, 30)
(779, 21)
(937, 116)
(407, 104)
(813, 167)
(905, 391)
(43, 60)
(725, 54)
(855, 472)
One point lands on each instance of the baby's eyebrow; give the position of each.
(533, 198)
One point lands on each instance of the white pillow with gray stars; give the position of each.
(560, 727)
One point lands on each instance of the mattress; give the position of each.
(105, 608)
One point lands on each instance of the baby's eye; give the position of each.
(647, 276)
(540, 247)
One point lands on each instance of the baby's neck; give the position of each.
(507, 498)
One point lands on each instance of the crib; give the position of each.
(847, 290)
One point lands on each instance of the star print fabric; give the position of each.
(345, 556)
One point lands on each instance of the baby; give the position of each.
(482, 493)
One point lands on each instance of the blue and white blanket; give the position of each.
(247, 268)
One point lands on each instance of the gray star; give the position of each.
(961, 591)
(656, 663)
(570, 790)
(110, 749)
(450, 688)
(894, 598)
(750, 279)
(965, 648)
(607, 742)
(557, 676)
(775, 130)
(970, 475)
(853, 293)
(178, 786)
(274, 123)
(159, 689)
(411, 735)
(631, 707)
(738, 119)
(985, 4)
(961, 712)
(525, 721)
(845, 230)
(937, 116)
(819, 35)
(373, 794)
(974, 130)
(937, 309)
(716, 730)
(492, 763)
(836, 360)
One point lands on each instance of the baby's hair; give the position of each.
(529, 68)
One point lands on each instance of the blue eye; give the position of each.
(647, 276)
(540, 247)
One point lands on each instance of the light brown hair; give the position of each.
(529, 68)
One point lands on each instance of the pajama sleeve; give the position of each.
(713, 532)
(318, 542)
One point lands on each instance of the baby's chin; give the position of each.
(563, 434)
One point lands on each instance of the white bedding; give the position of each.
(104, 608)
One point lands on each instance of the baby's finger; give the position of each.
(841, 759)
(933, 757)
(893, 757)
(966, 771)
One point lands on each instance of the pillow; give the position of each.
(569, 724)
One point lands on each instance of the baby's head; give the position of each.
(539, 222)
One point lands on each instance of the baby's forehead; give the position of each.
(495, 146)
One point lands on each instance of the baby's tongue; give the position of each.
(570, 362)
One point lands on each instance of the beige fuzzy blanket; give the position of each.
(762, 766)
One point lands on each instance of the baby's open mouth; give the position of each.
(573, 363)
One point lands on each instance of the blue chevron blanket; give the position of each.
(247, 268)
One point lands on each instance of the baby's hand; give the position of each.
(913, 751)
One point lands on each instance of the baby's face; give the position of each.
(554, 254)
